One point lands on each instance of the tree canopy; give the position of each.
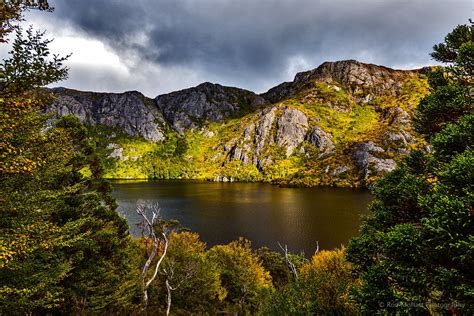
(416, 250)
(63, 248)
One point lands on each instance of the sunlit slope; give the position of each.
(344, 124)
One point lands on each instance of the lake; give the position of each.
(263, 213)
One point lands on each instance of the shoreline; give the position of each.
(276, 184)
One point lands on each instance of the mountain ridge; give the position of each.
(342, 123)
(347, 72)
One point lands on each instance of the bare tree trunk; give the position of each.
(168, 297)
(158, 263)
(289, 262)
(170, 276)
(141, 210)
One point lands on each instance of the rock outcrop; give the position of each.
(343, 123)
(193, 107)
(131, 111)
(262, 129)
(284, 127)
(320, 139)
(255, 139)
(292, 126)
(368, 162)
(363, 80)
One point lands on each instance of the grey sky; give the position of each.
(164, 45)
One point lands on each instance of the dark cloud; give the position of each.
(257, 43)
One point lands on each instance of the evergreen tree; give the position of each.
(416, 250)
(63, 248)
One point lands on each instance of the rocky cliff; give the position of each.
(363, 81)
(131, 111)
(192, 108)
(343, 123)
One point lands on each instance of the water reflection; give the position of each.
(265, 214)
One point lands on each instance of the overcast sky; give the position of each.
(158, 46)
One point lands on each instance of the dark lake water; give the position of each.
(262, 213)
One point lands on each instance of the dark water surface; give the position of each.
(265, 214)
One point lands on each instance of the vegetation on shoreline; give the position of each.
(65, 250)
(416, 249)
(196, 155)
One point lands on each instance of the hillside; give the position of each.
(344, 123)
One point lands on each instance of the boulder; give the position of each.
(368, 163)
(320, 139)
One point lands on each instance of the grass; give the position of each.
(200, 155)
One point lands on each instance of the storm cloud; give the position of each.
(164, 45)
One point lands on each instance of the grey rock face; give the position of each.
(263, 129)
(320, 139)
(292, 126)
(349, 73)
(221, 178)
(130, 111)
(190, 108)
(118, 153)
(396, 116)
(286, 129)
(339, 170)
(398, 142)
(368, 163)
(255, 137)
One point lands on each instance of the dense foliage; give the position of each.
(416, 251)
(235, 279)
(322, 288)
(62, 245)
(65, 250)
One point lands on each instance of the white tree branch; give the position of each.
(289, 262)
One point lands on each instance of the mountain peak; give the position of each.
(351, 73)
(208, 102)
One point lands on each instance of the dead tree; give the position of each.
(288, 260)
(158, 235)
(170, 277)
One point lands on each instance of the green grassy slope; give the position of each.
(204, 154)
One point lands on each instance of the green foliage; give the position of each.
(321, 289)
(195, 278)
(275, 263)
(454, 138)
(63, 244)
(446, 104)
(204, 154)
(223, 279)
(416, 249)
(11, 13)
(63, 248)
(448, 52)
(242, 275)
(29, 66)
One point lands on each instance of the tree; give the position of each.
(277, 265)
(63, 248)
(192, 278)
(242, 275)
(322, 288)
(416, 250)
(157, 230)
(11, 12)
